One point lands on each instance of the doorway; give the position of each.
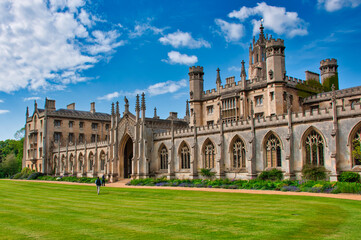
(128, 155)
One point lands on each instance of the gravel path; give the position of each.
(121, 184)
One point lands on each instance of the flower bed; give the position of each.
(285, 185)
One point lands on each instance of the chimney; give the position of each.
(173, 115)
(92, 107)
(50, 104)
(71, 106)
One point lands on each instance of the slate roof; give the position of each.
(67, 113)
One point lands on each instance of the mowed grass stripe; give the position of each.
(30, 210)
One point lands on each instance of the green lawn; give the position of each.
(30, 210)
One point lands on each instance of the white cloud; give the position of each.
(1, 101)
(232, 31)
(152, 90)
(31, 98)
(175, 57)
(235, 69)
(4, 111)
(276, 19)
(183, 39)
(334, 5)
(47, 45)
(141, 28)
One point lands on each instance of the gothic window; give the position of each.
(273, 152)
(209, 155)
(239, 154)
(102, 161)
(314, 146)
(90, 161)
(356, 148)
(185, 157)
(164, 158)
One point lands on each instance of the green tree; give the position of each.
(10, 166)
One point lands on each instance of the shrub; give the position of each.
(273, 175)
(349, 177)
(35, 175)
(205, 172)
(313, 172)
(25, 173)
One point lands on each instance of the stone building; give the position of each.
(239, 129)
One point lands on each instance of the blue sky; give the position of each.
(83, 51)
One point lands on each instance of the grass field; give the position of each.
(30, 210)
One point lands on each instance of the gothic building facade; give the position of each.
(239, 129)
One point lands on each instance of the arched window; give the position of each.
(356, 148)
(208, 155)
(102, 161)
(81, 161)
(238, 157)
(185, 157)
(314, 146)
(273, 152)
(90, 161)
(163, 158)
(71, 162)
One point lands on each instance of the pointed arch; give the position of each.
(80, 162)
(354, 142)
(313, 146)
(184, 155)
(237, 152)
(62, 163)
(209, 154)
(90, 161)
(71, 162)
(163, 157)
(102, 157)
(272, 146)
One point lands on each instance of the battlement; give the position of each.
(195, 69)
(294, 80)
(328, 61)
(339, 94)
(275, 42)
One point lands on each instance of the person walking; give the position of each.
(98, 182)
(103, 180)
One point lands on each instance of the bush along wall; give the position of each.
(257, 184)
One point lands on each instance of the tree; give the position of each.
(10, 166)
(20, 134)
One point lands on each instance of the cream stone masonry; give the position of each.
(236, 130)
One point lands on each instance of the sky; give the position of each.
(100, 51)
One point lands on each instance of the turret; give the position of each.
(218, 80)
(328, 69)
(276, 68)
(257, 59)
(196, 82)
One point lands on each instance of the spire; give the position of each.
(27, 112)
(126, 105)
(243, 70)
(137, 106)
(117, 109)
(261, 34)
(35, 106)
(187, 108)
(143, 102)
(155, 113)
(112, 109)
(218, 81)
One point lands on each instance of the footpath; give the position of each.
(122, 184)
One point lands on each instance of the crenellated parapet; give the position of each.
(325, 96)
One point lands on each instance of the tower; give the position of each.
(196, 82)
(257, 57)
(275, 59)
(328, 69)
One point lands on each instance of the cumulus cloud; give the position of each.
(276, 19)
(31, 99)
(47, 44)
(334, 5)
(1, 101)
(175, 57)
(4, 111)
(234, 69)
(152, 90)
(141, 28)
(231, 31)
(183, 39)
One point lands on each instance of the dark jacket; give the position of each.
(98, 182)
